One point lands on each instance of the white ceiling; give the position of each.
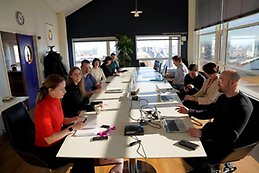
(66, 6)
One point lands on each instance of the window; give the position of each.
(206, 49)
(233, 45)
(92, 48)
(16, 54)
(162, 48)
(243, 49)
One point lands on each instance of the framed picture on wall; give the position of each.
(49, 34)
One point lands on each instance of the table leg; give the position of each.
(132, 165)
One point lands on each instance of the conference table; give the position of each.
(120, 110)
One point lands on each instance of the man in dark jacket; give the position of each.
(230, 114)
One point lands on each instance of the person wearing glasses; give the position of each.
(90, 83)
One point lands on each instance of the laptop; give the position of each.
(171, 125)
(162, 76)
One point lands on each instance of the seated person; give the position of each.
(75, 99)
(91, 85)
(114, 64)
(105, 66)
(49, 119)
(209, 91)
(177, 80)
(96, 71)
(193, 81)
(231, 113)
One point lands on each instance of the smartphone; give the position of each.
(188, 144)
(105, 126)
(98, 138)
(96, 103)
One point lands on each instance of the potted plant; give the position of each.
(124, 47)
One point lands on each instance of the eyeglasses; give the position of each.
(107, 131)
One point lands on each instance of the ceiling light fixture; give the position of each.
(136, 12)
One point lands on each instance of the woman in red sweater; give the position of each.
(49, 119)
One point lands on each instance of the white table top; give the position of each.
(156, 142)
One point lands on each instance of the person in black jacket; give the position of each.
(193, 81)
(75, 98)
(231, 113)
(105, 66)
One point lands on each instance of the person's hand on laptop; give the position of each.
(182, 109)
(196, 133)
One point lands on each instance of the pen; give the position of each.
(84, 120)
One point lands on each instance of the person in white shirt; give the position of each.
(96, 71)
(177, 80)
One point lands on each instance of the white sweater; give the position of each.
(98, 74)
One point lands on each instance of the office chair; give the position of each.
(142, 64)
(20, 132)
(156, 65)
(237, 153)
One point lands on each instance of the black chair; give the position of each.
(157, 65)
(236, 154)
(20, 131)
(142, 64)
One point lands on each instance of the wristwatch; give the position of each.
(70, 129)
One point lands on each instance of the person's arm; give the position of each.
(59, 135)
(200, 114)
(70, 120)
(103, 77)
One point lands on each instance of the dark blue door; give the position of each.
(28, 66)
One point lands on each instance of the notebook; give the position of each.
(171, 125)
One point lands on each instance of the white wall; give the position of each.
(36, 14)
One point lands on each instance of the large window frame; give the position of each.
(249, 79)
(157, 38)
(105, 40)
